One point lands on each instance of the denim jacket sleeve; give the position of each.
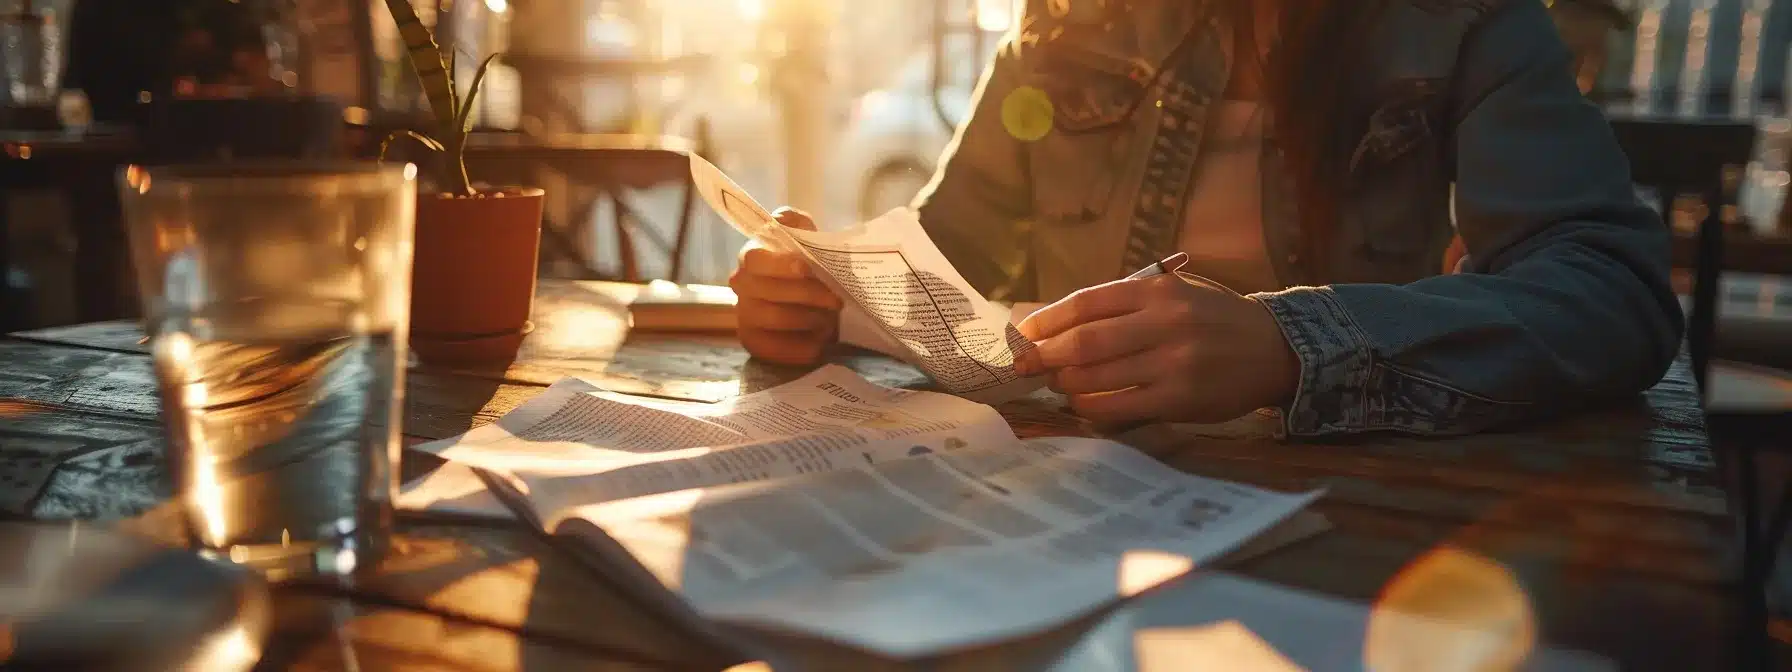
(1565, 300)
(977, 205)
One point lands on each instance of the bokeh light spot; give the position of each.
(1027, 113)
(1450, 610)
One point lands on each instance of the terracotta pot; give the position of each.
(473, 282)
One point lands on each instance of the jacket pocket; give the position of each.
(1095, 93)
(1091, 90)
(1402, 123)
(1396, 166)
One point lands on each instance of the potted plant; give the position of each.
(476, 247)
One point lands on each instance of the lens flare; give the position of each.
(1027, 113)
(1450, 610)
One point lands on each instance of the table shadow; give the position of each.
(624, 625)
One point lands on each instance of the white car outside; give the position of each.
(893, 139)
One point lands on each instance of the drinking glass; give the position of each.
(276, 296)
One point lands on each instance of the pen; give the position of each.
(1170, 264)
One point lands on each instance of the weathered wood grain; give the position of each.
(58, 463)
(117, 336)
(438, 405)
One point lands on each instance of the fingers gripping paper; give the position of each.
(892, 276)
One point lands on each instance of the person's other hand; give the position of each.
(785, 314)
(1161, 349)
(1454, 256)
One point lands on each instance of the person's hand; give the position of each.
(1453, 256)
(785, 315)
(1163, 349)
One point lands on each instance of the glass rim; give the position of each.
(265, 176)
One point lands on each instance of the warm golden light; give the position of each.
(751, 10)
(232, 650)
(1450, 610)
(206, 495)
(583, 331)
(995, 15)
(497, 6)
(1143, 570)
(137, 179)
(1228, 646)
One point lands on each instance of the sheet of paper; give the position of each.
(889, 268)
(891, 271)
(938, 550)
(576, 443)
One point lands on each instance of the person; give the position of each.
(1314, 160)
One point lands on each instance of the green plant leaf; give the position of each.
(426, 59)
(464, 120)
(421, 139)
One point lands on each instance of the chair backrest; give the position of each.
(1677, 156)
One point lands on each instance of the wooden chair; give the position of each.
(1679, 156)
(613, 163)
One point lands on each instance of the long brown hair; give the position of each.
(1320, 111)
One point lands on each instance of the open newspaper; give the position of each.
(895, 283)
(903, 522)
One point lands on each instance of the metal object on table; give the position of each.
(277, 299)
(81, 597)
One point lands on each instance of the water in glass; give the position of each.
(276, 305)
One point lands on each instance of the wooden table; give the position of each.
(1611, 522)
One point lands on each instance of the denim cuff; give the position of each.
(1335, 361)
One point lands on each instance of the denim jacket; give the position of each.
(1082, 176)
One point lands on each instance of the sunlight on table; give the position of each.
(236, 649)
(1450, 610)
(587, 332)
(1227, 645)
(1143, 570)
